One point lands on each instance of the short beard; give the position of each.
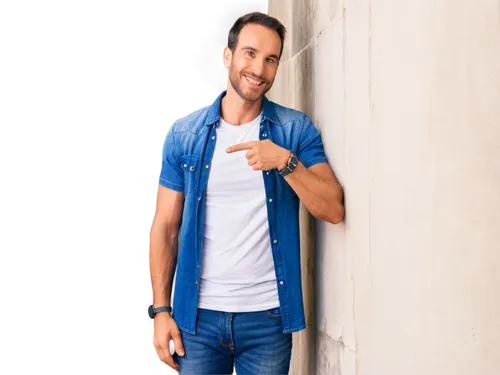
(234, 79)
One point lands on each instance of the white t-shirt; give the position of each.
(237, 273)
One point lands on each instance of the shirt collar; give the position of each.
(268, 111)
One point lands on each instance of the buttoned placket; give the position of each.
(200, 201)
(270, 188)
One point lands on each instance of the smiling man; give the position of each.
(233, 174)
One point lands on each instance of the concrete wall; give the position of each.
(406, 95)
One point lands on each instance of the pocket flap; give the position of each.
(190, 162)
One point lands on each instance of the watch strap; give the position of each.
(161, 309)
(291, 165)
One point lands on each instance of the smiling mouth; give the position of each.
(253, 81)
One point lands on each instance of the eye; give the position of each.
(272, 61)
(250, 53)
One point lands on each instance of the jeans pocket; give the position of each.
(274, 313)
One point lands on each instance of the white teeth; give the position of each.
(253, 81)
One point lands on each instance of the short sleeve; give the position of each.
(171, 175)
(310, 147)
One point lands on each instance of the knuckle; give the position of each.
(165, 359)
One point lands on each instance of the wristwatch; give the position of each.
(291, 165)
(161, 309)
(150, 311)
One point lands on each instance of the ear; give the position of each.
(228, 54)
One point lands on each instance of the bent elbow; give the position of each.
(332, 215)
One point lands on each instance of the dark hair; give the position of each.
(259, 19)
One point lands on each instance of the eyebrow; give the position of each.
(255, 50)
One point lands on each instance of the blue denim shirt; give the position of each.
(187, 156)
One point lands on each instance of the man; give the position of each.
(233, 173)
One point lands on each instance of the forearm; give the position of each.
(322, 198)
(162, 262)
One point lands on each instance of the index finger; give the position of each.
(241, 147)
(166, 357)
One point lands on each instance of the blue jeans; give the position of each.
(252, 342)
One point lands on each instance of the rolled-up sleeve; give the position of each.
(170, 173)
(310, 146)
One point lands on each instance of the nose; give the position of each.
(258, 67)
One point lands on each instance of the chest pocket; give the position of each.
(191, 167)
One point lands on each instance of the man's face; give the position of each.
(254, 62)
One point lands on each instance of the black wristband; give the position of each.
(153, 310)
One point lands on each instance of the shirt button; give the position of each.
(192, 168)
(199, 198)
(271, 200)
(275, 241)
(185, 165)
(206, 166)
(281, 282)
(264, 135)
(267, 173)
(213, 137)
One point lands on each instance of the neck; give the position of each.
(236, 111)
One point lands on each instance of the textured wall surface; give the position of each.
(406, 95)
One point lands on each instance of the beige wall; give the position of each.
(406, 95)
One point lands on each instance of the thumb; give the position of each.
(179, 348)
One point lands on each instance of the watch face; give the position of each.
(148, 313)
